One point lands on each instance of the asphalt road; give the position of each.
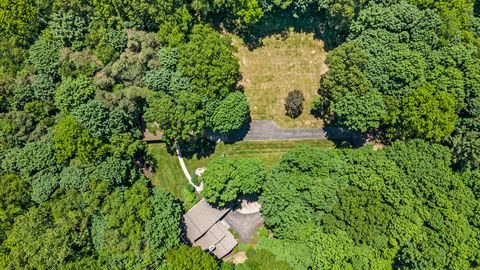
(262, 130)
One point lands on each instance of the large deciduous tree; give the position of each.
(207, 60)
(360, 112)
(231, 114)
(95, 118)
(71, 140)
(426, 113)
(74, 92)
(294, 104)
(184, 257)
(43, 55)
(181, 118)
(225, 180)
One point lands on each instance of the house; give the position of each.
(207, 229)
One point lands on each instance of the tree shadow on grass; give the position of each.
(201, 148)
(279, 23)
(344, 138)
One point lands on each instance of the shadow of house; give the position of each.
(205, 227)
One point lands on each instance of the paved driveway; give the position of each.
(244, 225)
(268, 130)
(261, 130)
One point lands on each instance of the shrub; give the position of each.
(294, 104)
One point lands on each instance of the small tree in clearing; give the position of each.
(294, 104)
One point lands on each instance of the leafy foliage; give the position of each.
(43, 55)
(181, 118)
(43, 185)
(207, 60)
(360, 113)
(69, 29)
(117, 234)
(395, 51)
(369, 207)
(43, 87)
(225, 180)
(115, 172)
(14, 201)
(71, 140)
(231, 114)
(77, 77)
(108, 43)
(95, 118)
(263, 259)
(189, 258)
(73, 92)
(427, 113)
(20, 18)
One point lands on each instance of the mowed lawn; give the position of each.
(167, 173)
(281, 65)
(270, 152)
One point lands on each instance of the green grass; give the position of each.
(168, 173)
(284, 63)
(270, 152)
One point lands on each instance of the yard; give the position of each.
(169, 175)
(283, 63)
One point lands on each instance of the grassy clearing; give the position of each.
(270, 152)
(168, 173)
(284, 63)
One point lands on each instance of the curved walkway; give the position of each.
(185, 170)
(268, 130)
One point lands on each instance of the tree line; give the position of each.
(408, 69)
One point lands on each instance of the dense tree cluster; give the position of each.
(408, 69)
(76, 80)
(402, 206)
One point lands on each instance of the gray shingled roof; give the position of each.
(201, 218)
(205, 229)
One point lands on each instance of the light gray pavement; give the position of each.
(262, 130)
(185, 170)
(244, 225)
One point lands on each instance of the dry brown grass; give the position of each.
(282, 64)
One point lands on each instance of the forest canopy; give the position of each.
(81, 80)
